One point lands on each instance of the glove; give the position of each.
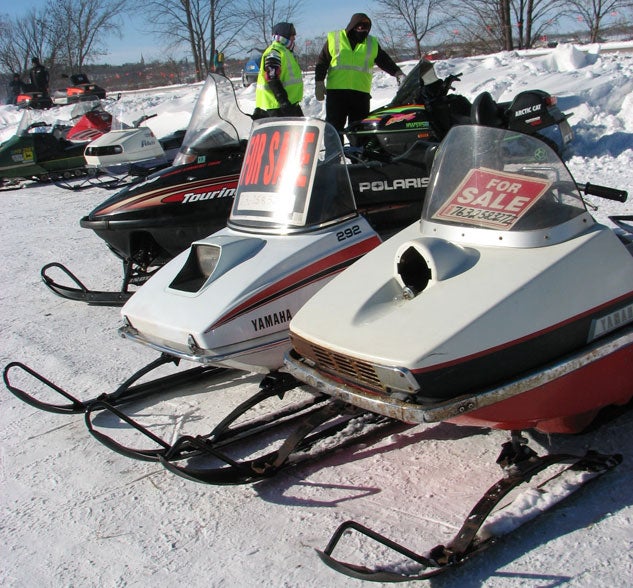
(400, 78)
(319, 90)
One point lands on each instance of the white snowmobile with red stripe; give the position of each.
(229, 299)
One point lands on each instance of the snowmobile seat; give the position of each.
(485, 111)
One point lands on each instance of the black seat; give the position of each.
(485, 111)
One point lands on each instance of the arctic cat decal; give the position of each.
(224, 192)
(527, 110)
(270, 320)
(399, 184)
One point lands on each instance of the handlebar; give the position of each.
(605, 192)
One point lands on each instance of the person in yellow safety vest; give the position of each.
(279, 83)
(347, 60)
(218, 62)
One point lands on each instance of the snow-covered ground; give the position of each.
(76, 514)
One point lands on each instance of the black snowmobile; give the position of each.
(149, 222)
(80, 89)
(424, 108)
(30, 97)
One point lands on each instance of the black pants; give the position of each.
(343, 107)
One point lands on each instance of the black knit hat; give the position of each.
(284, 29)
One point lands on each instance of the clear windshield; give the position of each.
(294, 177)
(81, 108)
(120, 117)
(45, 121)
(37, 121)
(500, 182)
(216, 121)
(29, 121)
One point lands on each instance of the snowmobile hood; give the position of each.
(124, 147)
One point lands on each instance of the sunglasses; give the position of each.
(362, 27)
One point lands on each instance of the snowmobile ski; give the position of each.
(305, 424)
(272, 385)
(133, 275)
(319, 423)
(81, 292)
(478, 531)
(126, 392)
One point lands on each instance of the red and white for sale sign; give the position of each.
(492, 198)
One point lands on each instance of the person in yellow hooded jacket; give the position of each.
(347, 60)
(279, 83)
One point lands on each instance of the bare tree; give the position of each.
(413, 20)
(12, 58)
(493, 25)
(534, 17)
(25, 37)
(479, 23)
(81, 26)
(594, 12)
(202, 26)
(260, 16)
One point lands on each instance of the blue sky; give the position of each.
(315, 19)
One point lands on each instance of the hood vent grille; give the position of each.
(346, 367)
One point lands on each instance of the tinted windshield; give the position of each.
(294, 177)
(217, 120)
(500, 182)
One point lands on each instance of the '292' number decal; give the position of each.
(348, 233)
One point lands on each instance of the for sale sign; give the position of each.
(278, 171)
(492, 198)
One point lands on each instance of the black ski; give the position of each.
(467, 542)
(305, 424)
(81, 292)
(185, 447)
(127, 392)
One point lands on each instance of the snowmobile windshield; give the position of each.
(216, 121)
(124, 118)
(84, 107)
(494, 186)
(294, 178)
(37, 121)
(409, 91)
